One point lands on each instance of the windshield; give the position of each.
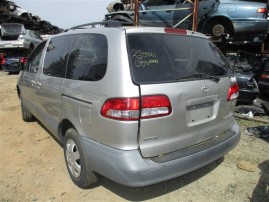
(157, 58)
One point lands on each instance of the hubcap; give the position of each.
(73, 158)
(218, 30)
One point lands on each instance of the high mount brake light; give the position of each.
(175, 31)
(128, 109)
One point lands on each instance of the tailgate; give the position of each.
(194, 75)
(196, 116)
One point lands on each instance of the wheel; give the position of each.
(217, 27)
(26, 115)
(76, 162)
(218, 30)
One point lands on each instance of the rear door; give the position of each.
(174, 66)
(50, 81)
(27, 82)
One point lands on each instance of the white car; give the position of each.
(14, 35)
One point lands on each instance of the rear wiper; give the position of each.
(201, 75)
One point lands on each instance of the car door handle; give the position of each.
(32, 83)
(168, 11)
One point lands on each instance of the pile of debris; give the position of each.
(10, 12)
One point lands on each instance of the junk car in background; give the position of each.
(246, 66)
(14, 35)
(12, 13)
(244, 20)
(263, 76)
(16, 44)
(13, 60)
(252, 74)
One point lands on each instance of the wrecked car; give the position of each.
(11, 13)
(263, 77)
(245, 66)
(14, 35)
(248, 87)
(163, 13)
(244, 20)
(13, 60)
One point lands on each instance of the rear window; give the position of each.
(157, 58)
(11, 29)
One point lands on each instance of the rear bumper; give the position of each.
(130, 169)
(12, 68)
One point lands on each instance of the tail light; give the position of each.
(155, 106)
(128, 109)
(2, 60)
(265, 76)
(262, 10)
(23, 60)
(233, 92)
(121, 109)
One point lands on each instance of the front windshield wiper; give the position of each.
(201, 75)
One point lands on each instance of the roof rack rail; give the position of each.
(109, 23)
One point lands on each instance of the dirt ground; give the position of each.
(32, 167)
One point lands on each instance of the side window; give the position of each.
(32, 34)
(34, 59)
(56, 56)
(88, 58)
(37, 36)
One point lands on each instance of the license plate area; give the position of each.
(199, 113)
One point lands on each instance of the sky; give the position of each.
(66, 13)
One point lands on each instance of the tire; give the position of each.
(26, 115)
(218, 27)
(76, 162)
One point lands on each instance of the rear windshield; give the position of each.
(157, 58)
(11, 29)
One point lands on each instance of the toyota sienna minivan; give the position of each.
(137, 105)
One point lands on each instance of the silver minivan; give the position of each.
(137, 105)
